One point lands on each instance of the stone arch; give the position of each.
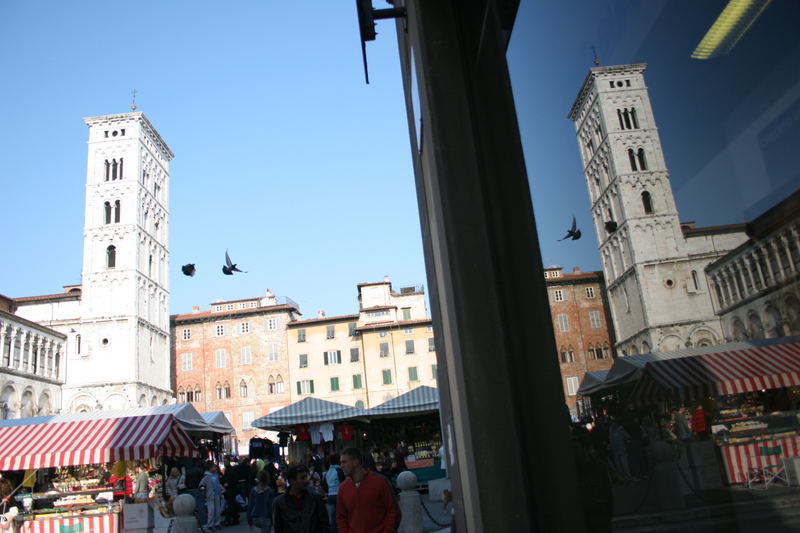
(702, 336)
(755, 326)
(27, 404)
(116, 402)
(9, 402)
(45, 403)
(671, 343)
(738, 330)
(791, 310)
(645, 347)
(773, 323)
(83, 403)
(153, 401)
(142, 401)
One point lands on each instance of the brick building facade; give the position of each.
(233, 358)
(582, 326)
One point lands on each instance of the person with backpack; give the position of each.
(330, 484)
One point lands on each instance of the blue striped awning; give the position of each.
(308, 411)
(420, 400)
(591, 380)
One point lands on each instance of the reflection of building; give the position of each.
(116, 322)
(233, 358)
(367, 358)
(31, 369)
(581, 324)
(757, 285)
(653, 264)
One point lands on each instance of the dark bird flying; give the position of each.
(188, 269)
(229, 267)
(573, 232)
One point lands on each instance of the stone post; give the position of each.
(410, 503)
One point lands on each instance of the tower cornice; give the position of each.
(138, 116)
(596, 72)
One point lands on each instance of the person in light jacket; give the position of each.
(212, 490)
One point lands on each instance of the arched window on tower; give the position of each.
(647, 202)
(243, 389)
(634, 119)
(111, 256)
(632, 158)
(592, 354)
(189, 394)
(120, 167)
(279, 385)
(198, 394)
(150, 266)
(108, 169)
(181, 396)
(642, 160)
(219, 392)
(621, 122)
(227, 389)
(627, 117)
(114, 167)
(117, 211)
(271, 385)
(107, 212)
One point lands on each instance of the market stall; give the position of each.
(318, 426)
(752, 386)
(221, 432)
(412, 418)
(84, 439)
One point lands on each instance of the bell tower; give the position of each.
(125, 300)
(654, 275)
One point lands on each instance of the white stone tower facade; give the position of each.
(125, 292)
(654, 267)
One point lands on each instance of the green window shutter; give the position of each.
(298, 388)
(312, 386)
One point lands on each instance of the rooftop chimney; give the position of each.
(575, 270)
(321, 313)
(386, 279)
(196, 309)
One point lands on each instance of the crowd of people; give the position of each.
(341, 494)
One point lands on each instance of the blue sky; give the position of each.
(285, 157)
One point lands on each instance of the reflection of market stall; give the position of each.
(749, 387)
(318, 426)
(71, 440)
(413, 419)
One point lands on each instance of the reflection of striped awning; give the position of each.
(92, 441)
(721, 372)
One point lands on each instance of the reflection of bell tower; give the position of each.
(642, 246)
(125, 300)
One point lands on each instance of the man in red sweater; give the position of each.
(366, 501)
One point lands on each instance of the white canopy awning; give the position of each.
(218, 422)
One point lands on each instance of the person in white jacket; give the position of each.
(212, 489)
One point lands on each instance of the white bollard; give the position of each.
(410, 503)
(184, 521)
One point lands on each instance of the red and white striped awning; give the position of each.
(720, 372)
(92, 441)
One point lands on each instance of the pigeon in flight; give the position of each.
(229, 267)
(573, 231)
(188, 270)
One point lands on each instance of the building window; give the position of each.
(219, 330)
(271, 385)
(567, 355)
(594, 319)
(303, 360)
(353, 355)
(279, 385)
(384, 349)
(247, 420)
(696, 280)
(590, 292)
(356, 381)
(272, 324)
(431, 344)
(222, 358)
(219, 391)
(117, 211)
(111, 256)
(351, 329)
(408, 331)
(410, 346)
(189, 395)
(187, 334)
(632, 159)
(247, 357)
(181, 396)
(359, 404)
(406, 313)
(330, 332)
(244, 327)
(243, 389)
(373, 314)
(382, 333)
(435, 372)
(198, 394)
(412, 374)
(333, 357)
(334, 384)
(186, 362)
(229, 307)
(563, 322)
(558, 295)
(107, 212)
(572, 385)
(387, 377)
(647, 202)
(301, 335)
(305, 387)
(606, 351)
(429, 329)
(273, 352)
(592, 353)
(226, 390)
(642, 160)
